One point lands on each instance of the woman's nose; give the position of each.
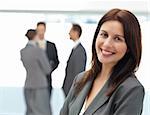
(108, 42)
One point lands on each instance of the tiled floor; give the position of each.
(12, 101)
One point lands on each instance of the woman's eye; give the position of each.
(104, 35)
(117, 39)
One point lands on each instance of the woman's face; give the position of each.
(110, 43)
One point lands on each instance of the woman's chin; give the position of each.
(107, 61)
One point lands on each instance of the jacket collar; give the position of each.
(79, 100)
(31, 43)
(98, 101)
(77, 42)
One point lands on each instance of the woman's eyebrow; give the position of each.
(119, 35)
(115, 34)
(103, 31)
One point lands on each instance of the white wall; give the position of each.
(13, 26)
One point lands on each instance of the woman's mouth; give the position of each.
(107, 52)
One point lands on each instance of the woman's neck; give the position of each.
(106, 71)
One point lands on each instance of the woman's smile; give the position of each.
(106, 53)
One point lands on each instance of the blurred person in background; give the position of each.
(37, 66)
(110, 87)
(50, 50)
(77, 59)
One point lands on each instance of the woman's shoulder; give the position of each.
(80, 76)
(130, 84)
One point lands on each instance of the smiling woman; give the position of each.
(110, 43)
(110, 87)
(18, 16)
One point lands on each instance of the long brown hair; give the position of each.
(131, 60)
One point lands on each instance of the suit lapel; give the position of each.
(79, 100)
(48, 51)
(98, 101)
(72, 52)
(47, 48)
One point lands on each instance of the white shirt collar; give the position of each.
(43, 41)
(32, 42)
(76, 43)
(42, 44)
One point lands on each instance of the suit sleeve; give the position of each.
(43, 60)
(65, 108)
(21, 57)
(131, 103)
(55, 60)
(79, 62)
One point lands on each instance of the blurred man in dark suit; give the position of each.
(77, 59)
(49, 48)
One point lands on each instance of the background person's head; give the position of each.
(31, 34)
(41, 29)
(75, 32)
